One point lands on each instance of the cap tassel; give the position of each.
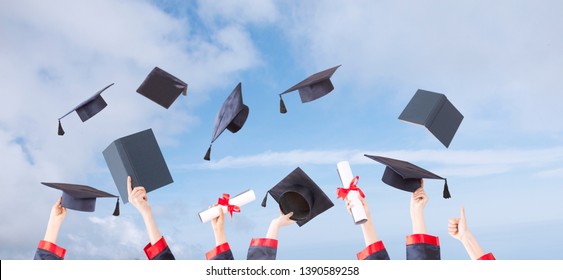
(283, 110)
(208, 154)
(446, 193)
(61, 131)
(116, 211)
(264, 200)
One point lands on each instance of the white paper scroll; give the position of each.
(239, 200)
(346, 176)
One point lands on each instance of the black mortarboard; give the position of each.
(405, 175)
(80, 197)
(435, 112)
(88, 108)
(162, 88)
(299, 194)
(137, 155)
(232, 116)
(315, 86)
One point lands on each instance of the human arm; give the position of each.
(47, 248)
(457, 228)
(375, 249)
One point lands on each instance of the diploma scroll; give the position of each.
(238, 200)
(345, 173)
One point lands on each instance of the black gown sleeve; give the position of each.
(159, 251)
(423, 247)
(375, 251)
(262, 249)
(49, 251)
(221, 252)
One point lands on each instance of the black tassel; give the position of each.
(446, 193)
(208, 154)
(283, 110)
(264, 200)
(61, 131)
(116, 211)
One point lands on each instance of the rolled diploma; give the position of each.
(238, 200)
(346, 176)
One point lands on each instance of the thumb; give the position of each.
(462, 213)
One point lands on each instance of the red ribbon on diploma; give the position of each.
(224, 201)
(342, 192)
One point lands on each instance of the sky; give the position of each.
(498, 62)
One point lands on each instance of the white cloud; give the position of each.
(56, 54)
(498, 61)
(454, 163)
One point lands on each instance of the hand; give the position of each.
(418, 202)
(349, 205)
(457, 227)
(281, 221)
(218, 225)
(58, 213)
(138, 197)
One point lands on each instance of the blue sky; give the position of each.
(498, 62)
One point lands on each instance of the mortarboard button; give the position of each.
(435, 112)
(80, 197)
(88, 108)
(162, 88)
(232, 116)
(313, 87)
(137, 155)
(405, 175)
(299, 194)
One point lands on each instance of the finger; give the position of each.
(462, 213)
(129, 188)
(421, 183)
(288, 215)
(59, 201)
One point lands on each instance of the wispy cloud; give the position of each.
(457, 163)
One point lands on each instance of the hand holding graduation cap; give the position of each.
(138, 197)
(418, 202)
(281, 221)
(58, 214)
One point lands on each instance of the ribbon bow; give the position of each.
(342, 192)
(224, 201)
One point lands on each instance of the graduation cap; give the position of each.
(405, 175)
(137, 155)
(314, 87)
(299, 194)
(435, 112)
(162, 88)
(80, 197)
(232, 116)
(88, 108)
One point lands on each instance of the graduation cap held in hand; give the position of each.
(232, 116)
(313, 87)
(299, 194)
(137, 155)
(162, 88)
(405, 175)
(88, 108)
(435, 112)
(80, 197)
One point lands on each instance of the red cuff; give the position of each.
(487, 257)
(267, 242)
(371, 249)
(152, 250)
(53, 248)
(423, 238)
(217, 250)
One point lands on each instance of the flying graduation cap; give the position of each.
(435, 112)
(80, 197)
(314, 87)
(299, 194)
(88, 108)
(405, 175)
(232, 116)
(162, 88)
